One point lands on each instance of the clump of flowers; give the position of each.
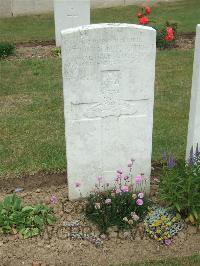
(123, 205)
(179, 185)
(166, 35)
(163, 224)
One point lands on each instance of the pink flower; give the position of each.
(139, 202)
(138, 179)
(99, 178)
(108, 201)
(118, 190)
(130, 164)
(77, 184)
(141, 195)
(126, 177)
(119, 176)
(135, 216)
(119, 171)
(54, 199)
(168, 242)
(124, 188)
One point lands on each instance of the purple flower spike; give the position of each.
(191, 157)
(171, 162)
(197, 152)
(164, 156)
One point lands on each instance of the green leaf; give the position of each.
(177, 207)
(50, 219)
(195, 214)
(35, 231)
(38, 220)
(27, 209)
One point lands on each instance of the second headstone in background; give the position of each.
(194, 120)
(70, 14)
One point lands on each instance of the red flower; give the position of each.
(139, 15)
(148, 10)
(144, 20)
(169, 37)
(170, 34)
(170, 31)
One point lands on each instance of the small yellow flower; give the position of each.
(125, 219)
(134, 196)
(163, 218)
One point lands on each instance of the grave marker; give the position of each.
(69, 14)
(194, 117)
(108, 79)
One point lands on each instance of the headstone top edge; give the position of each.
(105, 26)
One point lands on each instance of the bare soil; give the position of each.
(56, 248)
(45, 49)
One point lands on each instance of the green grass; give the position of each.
(26, 28)
(183, 12)
(31, 117)
(185, 261)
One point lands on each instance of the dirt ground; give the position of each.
(55, 247)
(46, 49)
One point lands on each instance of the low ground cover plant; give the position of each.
(162, 224)
(28, 221)
(6, 49)
(166, 34)
(179, 185)
(123, 206)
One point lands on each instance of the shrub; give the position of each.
(6, 49)
(179, 186)
(166, 34)
(163, 39)
(28, 221)
(120, 206)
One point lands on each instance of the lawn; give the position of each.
(17, 29)
(31, 117)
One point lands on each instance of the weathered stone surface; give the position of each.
(69, 14)
(108, 78)
(194, 118)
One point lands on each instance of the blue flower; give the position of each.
(171, 162)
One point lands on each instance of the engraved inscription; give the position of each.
(110, 103)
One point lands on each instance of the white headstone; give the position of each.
(108, 79)
(70, 14)
(194, 118)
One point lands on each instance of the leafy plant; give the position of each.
(28, 221)
(6, 49)
(179, 186)
(56, 51)
(163, 39)
(120, 206)
(166, 34)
